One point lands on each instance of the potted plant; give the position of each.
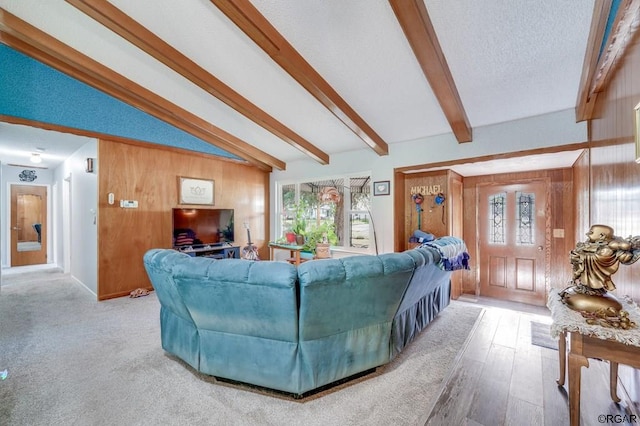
(321, 235)
(299, 227)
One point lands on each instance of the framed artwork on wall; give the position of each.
(195, 191)
(636, 130)
(381, 188)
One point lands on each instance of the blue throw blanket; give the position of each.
(453, 253)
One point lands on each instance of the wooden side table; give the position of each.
(591, 341)
(294, 251)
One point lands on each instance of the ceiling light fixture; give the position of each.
(35, 158)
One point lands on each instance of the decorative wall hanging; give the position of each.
(426, 189)
(418, 199)
(27, 176)
(196, 191)
(438, 200)
(381, 188)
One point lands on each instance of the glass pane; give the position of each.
(319, 211)
(288, 207)
(496, 218)
(323, 201)
(338, 208)
(525, 218)
(360, 229)
(29, 222)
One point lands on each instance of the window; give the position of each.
(343, 203)
(525, 218)
(497, 218)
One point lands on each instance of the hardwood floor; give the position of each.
(501, 378)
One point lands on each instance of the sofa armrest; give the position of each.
(159, 263)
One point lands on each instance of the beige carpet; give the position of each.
(72, 360)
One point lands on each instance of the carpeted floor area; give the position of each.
(73, 360)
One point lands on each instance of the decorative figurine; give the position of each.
(594, 262)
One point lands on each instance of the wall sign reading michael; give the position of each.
(426, 189)
(196, 191)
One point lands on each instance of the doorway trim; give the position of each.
(547, 226)
(8, 218)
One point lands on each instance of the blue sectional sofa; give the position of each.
(292, 329)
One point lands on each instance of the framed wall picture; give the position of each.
(636, 130)
(196, 191)
(381, 187)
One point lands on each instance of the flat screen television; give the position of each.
(202, 226)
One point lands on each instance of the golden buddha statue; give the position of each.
(594, 262)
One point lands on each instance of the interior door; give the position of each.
(512, 241)
(28, 225)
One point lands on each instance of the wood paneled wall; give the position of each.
(150, 176)
(611, 188)
(560, 199)
(433, 218)
(439, 220)
(581, 195)
(614, 178)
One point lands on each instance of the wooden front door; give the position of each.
(28, 225)
(512, 241)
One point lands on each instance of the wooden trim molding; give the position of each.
(416, 24)
(419, 168)
(33, 42)
(110, 138)
(132, 31)
(587, 100)
(258, 29)
(601, 59)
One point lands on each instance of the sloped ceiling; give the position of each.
(356, 80)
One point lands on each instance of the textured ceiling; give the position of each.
(509, 60)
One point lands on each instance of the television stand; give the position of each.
(216, 251)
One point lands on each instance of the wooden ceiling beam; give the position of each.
(258, 29)
(132, 31)
(416, 24)
(33, 42)
(602, 55)
(586, 99)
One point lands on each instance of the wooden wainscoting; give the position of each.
(150, 176)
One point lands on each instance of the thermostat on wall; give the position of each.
(129, 204)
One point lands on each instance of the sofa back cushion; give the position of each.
(337, 295)
(240, 297)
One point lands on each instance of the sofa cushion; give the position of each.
(240, 296)
(352, 292)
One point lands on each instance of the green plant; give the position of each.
(318, 234)
(300, 220)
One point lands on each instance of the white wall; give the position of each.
(83, 207)
(542, 131)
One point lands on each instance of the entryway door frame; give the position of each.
(9, 219)
(546, 245)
